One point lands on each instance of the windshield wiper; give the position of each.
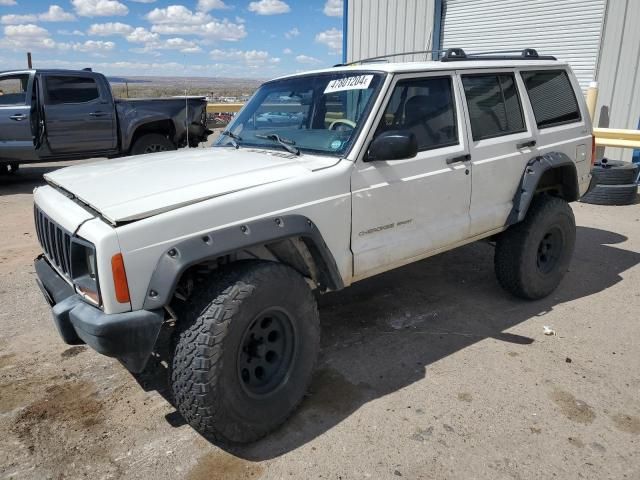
(233, 138)
(285, 142)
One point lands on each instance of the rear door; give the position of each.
(79, 115)
(502, 143)
(16, 135)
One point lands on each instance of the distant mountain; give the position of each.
(126, 80)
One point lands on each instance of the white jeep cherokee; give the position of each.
(323, 179)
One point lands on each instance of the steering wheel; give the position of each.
(343, 121)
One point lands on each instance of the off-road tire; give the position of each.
(612, 195)
(522, 265)
(206, 378)
(614, 172)
(152, 143)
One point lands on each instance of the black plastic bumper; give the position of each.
(128, 336)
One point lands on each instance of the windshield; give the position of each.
(317, 113)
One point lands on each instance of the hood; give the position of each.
(133, 188)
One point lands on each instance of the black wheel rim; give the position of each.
(154, 147)
(550, 250)
(266, 352)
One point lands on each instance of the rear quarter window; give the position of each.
(552, 97)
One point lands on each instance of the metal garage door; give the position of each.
(568, 29)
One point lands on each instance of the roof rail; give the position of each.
(458, 54)
(385, 57)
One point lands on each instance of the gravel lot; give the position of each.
(429, 371)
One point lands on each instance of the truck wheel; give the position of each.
(245, 350)
(152, 143)
(533, 256)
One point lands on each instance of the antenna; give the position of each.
(186, 99)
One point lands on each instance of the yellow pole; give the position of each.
(592, 99)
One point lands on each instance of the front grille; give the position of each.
(55, 241)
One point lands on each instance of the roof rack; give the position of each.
(458, 54)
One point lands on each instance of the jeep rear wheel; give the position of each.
(533, 256)
(152, 143)
(245, 350)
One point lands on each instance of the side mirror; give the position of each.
(393, 145)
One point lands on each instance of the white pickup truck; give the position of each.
(368, 167)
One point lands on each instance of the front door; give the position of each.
(78, 114)
(405, 209)
(16, 134)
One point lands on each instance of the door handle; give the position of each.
(18, 117)
(461, 158)
(528, 143)
(97, 114)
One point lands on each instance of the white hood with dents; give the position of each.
(137, 187)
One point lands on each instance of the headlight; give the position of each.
(84, 272)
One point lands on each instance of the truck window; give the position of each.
(71, 90)
(425, 107)
(13, 89)
(494, 106)
(552, 97)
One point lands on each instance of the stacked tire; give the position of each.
(615, 183)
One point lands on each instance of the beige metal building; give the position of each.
(599, 38)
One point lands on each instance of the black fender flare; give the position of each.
(533, 172)
(208, 246)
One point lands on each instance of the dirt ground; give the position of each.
(429, 371)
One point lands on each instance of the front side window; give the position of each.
(320, 113)
(494, 106)
(13, 89)
(62, 90)
(552, 97)
(425, 107)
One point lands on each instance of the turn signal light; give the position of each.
(120, 278)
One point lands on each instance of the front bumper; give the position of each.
(129, 336)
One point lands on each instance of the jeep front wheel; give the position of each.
(245, 350)
(533, 256)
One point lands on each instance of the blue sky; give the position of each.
(234, 38)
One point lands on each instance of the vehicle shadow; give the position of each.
(26, 179)
(383, 333)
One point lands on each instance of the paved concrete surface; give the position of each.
(429, 371)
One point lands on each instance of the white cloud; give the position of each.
(7, 3)
(294, 32)
(207, 5)
(142, 35)
(179, 20)
(27, 36)
(331, 38)
(109, 29)
(18, 19)
(333, 8)
(182, 45)
(269, 7)
(69, 32)
(93, 46)
(307, 59)
(99, 8)
(249, 57)
(56, 14)
(144, 1)
(287, 51)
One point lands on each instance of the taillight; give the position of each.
(593, 149)
(120, 278)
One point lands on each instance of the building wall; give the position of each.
(618, 72)
(379, 27)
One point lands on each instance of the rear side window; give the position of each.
(425, 107)
(13, 89)
(552, 97)
(71, 90)
(494, 106)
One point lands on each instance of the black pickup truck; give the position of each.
(50, 115)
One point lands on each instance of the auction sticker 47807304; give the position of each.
(354, 82)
